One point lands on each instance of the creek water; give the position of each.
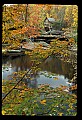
(54, 71)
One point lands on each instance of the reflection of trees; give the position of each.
(53, 65)
(4, 60)
(22, 63)
(57, 66)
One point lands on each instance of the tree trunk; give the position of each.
(26, 13)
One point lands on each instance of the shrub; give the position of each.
(59, 25)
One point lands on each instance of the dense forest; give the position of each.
(21, 20)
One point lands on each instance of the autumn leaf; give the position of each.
(43, 102)
(70, 105)
(31, 78)
(74, 87)
(55, 78)
(33, 114)
(9, 109)
(60, 114)
(65, 55)
(3, 88)
(3, 112)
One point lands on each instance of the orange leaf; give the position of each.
(43, 102)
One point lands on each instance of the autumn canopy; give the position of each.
(20, 20)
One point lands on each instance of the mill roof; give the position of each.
(51, 20)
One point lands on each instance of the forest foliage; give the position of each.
(26, 20)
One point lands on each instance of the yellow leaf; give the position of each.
(9, 109)
(55, 78)
(60, 114)
(3, 88)
(65, 55)
(47, 15)
(43, 101)
(33, 114)
(31, 78)
(70, 105)
(12, 105)
(3, 112)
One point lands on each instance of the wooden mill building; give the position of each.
(48, 23)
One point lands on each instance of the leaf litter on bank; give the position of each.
(37, 104)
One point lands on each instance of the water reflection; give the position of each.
(60, 69)
(14, 65)
(55, 65)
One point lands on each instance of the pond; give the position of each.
(54, 71)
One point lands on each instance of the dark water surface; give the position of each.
(53, 71)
